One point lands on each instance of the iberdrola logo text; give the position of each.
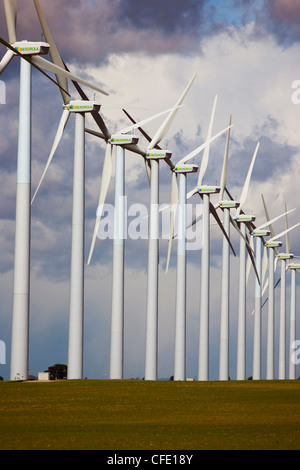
(27, 49)
(77, 106)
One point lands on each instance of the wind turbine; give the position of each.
(118, 140)
(272, 246)
(153, 156)
(224, 316)
(79, 108)
(259, 233)
(182, 169)
(243, 221)
(226, 205)
(286, 264)
(205, 191)
(29, 52)
(76, 314)
(179, 196)
(284, 258)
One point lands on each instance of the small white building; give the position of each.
(44, 376)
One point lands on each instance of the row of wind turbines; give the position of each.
(116, 146)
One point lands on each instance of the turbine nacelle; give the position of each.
(208, 189)
(245, 218)
(294, 266)
(186, 168)
(228, 204)
(261, 233)
(123, 139)
(155, 154)
(80, 106)
(285, 256)
(31, 48)
(273, 244)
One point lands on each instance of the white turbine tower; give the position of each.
(225, 280)
(118, 140)
(180, 315)
(29, 51)
(179, 196)
(294, 268)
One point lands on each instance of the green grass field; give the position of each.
(145, 415)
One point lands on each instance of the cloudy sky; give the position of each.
(144, 53)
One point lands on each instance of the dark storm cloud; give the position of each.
(283, 19)
(89, 31)
(280, 17)
(273, 159)
(169, 16)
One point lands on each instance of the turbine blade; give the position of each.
(6, 60)
(275, 264)
(191, 193)
(247, 181)
(205, 157)
(201, 147)
(223, 180)
(147, 137)
(284, 232)
(148, 169)
(54, 54)
(50, 67)
(95, 133)
(173, 209)
(58, 136)
(274, 220)
(195, 221)
(267, 216)
(263, 291)
(144, 121)
(215, 215)
(250, 249)
(270, 226)
(163, 129)
(10, 7)
(106, 176)
(287, 238)
(264, 264)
